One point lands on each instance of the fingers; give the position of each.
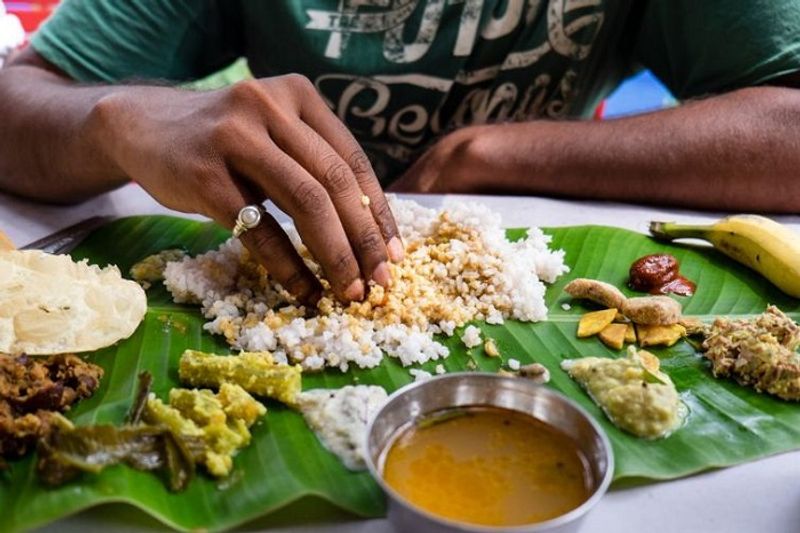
(273, 249)
(339, 181)
(323, 121)
(268, 243)
(309, 164)
(301, 196)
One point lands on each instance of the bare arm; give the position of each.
(211, 153)
(48, 149)
(738, 151)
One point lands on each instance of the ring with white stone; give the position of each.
(249, 217)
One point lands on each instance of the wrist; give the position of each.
(507, 157)
(104, 127)
(469, 157)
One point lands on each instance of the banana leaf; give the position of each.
(285, 464)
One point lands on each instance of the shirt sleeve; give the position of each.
(699, 47)
(113, 40)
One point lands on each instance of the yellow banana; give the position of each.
(762, 244)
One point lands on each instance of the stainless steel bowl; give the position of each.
(413, 402)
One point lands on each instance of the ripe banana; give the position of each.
(764, 245)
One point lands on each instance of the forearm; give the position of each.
(49, 148)
(739, 151)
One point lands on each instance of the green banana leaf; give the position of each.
(285, 464)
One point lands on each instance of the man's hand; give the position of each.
(215, 152)
(211, 153)
(732, 152)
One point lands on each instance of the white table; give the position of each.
(763, 496)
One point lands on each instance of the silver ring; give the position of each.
(249, 217)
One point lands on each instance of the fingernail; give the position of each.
(382, 275)
(355, 291)
(396, 251)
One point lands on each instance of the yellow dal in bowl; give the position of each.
(488, 466)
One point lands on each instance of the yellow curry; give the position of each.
(488, 466)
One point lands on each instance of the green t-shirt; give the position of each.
(400, 73)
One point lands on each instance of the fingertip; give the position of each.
(307, 291)
(313, 297)
(382, 275)
(355, 291)
(396, 250)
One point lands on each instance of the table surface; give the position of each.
(754, 497)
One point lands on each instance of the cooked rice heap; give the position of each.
(459, 267)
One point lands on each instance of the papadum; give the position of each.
(50, 304)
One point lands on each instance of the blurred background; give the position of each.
(640, 93)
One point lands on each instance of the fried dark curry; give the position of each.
(32, 389)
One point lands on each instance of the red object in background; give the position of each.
(600, 110)
(31, 14)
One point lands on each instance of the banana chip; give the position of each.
(595, 322)
(659, 335)
(51, 304)
(613, 335)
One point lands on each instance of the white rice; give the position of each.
(420, 375)
(340, 417)
(471, 337)
(459, 267)
(513, 364)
